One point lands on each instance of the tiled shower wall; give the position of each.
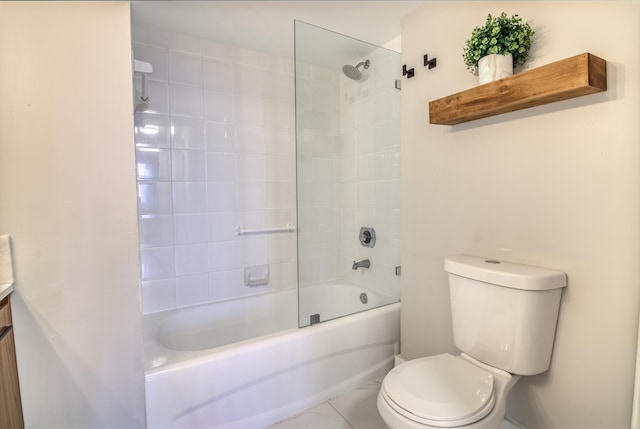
(215, 150)
(370, 126)
(349, 173)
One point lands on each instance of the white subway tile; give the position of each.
(248, 110)
(152, 130)
(280, 195)
(396, 171)
(276, 84)
(251, 196)
(154, 197)
(218, 50)
(387, 135)
(366, 195)
(153, 164)
(218, 106)
(221, 166)
(279, 217)
(382, 107)
(388, 222)
(254, 251)
(157, 263)
(156, 230)
(305, 194)
(158, 295)
(186, 101)
(220, 137)
(182, 43)
(218, 74)
(190, 228)
(383, 165)
(364, 217)
(222, 226)
(189, 197)
(366, 167)
(192, 289)
(221, 197)
(323, 194)
(247, 80)
(322, 169)
(279, 141)
(225, 284)
(280, 275)
(278, 112)
(191, 259)
(189, 165)
(225, 255)
(251, 168)
(251, 139)
(276, 64)
(187, 133)
(185, 69)
(387, 194)
(247, 56)
(280, 248)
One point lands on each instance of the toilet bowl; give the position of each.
(504, 319)
(445, 391)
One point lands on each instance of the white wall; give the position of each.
(67, 192)
(555, 186)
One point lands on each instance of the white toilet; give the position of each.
(504, 320)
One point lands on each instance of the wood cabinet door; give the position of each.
(10, 403)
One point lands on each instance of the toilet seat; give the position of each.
(440, 391)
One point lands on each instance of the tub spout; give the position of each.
(365, 263)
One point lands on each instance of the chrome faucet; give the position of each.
(365, 263)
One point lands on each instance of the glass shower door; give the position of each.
(348, 174)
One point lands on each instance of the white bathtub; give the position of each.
(198, 376)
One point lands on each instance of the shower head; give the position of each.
(352, 72)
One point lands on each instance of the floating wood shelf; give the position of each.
(572, 77)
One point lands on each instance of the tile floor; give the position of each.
(353, 410)
(356, 409)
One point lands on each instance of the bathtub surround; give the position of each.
(553, 186)
(215, 150)
(67, 192)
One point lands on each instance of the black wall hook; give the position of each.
(431, 63)
(408, 73)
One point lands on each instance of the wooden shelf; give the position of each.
(572, 77)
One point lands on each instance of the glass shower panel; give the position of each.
(348, 174)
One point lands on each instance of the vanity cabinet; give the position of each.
(10, 403)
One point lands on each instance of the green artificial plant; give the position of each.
(500, 35)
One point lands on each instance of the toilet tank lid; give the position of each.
(502, 273)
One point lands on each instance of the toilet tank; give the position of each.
(504, 314)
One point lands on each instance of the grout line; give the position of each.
(338, 412)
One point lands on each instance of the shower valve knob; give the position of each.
(367, 236)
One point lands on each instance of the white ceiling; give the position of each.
(267, 26)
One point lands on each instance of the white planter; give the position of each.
(494, 67)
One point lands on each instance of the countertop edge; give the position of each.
(5, 290)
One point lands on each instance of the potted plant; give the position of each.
(502, 42)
